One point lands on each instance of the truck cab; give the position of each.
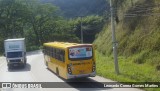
(15, 52)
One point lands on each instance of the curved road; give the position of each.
(36, 71)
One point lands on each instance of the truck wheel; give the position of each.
(25, 62)
(23, 65)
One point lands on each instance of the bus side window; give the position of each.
(56, 56)
(50, 52)
(59, 54)
(62, 53)
(53, 52)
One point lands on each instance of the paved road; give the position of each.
(36, 71)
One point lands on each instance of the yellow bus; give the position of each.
(70, 60)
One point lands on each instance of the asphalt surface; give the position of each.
(36, 71)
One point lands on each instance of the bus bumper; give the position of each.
(93, 74)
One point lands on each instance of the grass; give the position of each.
(138, 47)
(129, 70)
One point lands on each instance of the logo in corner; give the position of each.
(6, 85)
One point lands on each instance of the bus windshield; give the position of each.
(14, 54)
(80, 53)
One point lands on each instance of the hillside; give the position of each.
(137, 32)
(75, 8)
(138, 37)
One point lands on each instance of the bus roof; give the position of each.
(64, 44)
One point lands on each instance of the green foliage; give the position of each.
(91, 25)
(129, 71)
(140, 57)
(104, 41)
(75, 8)
(138, 44)
(37, 22)
(32, 48)
(41, 22)
(135, 35)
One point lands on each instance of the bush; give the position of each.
(41, 47)
(140, 58)
(33, 48)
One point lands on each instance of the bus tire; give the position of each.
(57, 71)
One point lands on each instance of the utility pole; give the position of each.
(114, 39)
(81, 31)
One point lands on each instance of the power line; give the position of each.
(147, 5)
(150, 11)
(138, 15)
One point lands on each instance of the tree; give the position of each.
(39, 15)
(12, 20)
(91, 25)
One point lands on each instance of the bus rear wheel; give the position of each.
(57, 71)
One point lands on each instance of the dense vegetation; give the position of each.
(138, 36)
(42, 22)
(75, 8)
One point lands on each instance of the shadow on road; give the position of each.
(81, 83)
(20, 68)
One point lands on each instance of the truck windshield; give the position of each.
(80, 53)
(14, 54)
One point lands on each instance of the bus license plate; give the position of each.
(81, 71)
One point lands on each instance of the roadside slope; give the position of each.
(138, 36)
